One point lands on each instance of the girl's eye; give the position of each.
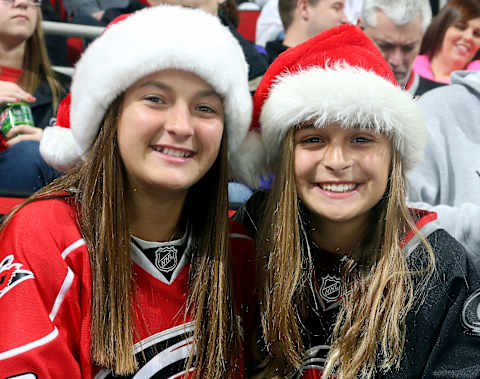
(361, 139)
(460, 26)
(312, 139)
(206, 109)
(154, 99)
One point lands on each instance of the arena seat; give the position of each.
(248, 23)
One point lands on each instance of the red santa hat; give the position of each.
(150, 40)
(339, 76)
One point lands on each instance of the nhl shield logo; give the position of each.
(329, 291)
(166, 258)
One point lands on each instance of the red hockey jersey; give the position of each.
(45, 300)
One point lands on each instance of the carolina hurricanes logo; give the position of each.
(11, 274)
(162, 355)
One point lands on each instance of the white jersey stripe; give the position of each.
(61, 295)
(29, 346)
(238, 235)
(72, 247)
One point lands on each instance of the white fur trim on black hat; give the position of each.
(350, 96)
(151, 40)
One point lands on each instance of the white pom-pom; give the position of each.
(58, 148)
(248, 162)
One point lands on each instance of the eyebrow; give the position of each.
(386, 42)
(165, 87)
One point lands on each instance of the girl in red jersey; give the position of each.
(354, 284)
(123, 265)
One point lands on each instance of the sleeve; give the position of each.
(432, 186)
(39, 321)
(425, 181)
(448, 323)
(462, 222)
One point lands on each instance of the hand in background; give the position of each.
(25, 133)
(12, 92)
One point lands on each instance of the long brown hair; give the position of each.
(36, 65)
(98, 189)
(377, 285)
(452, 12)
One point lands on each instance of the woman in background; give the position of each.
(451, 42)
(26, 76)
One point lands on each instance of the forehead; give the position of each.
(387, 31)
(327, 3)
(474, 22)
(175, 80)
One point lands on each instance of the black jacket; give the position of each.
(42, 108)
(274, 49)
(442, 331)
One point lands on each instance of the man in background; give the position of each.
(303, 19)
(397, 27)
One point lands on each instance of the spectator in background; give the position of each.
(397, 27)
(303, 19)
(270, 27)
(447, 181)
(451, 42)
(257, 62)
(26, 75)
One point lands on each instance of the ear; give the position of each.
(302, 9)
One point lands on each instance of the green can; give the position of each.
(13, 114)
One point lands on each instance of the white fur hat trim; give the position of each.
(350, 96)
(151, 40)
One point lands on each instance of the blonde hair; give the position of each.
(377, 284)
(36, 65)
(97, 189)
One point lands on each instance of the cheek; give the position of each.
(476, 42)
(377, 165)
(210, 136)
(304, 166)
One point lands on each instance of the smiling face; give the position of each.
(341, 174)
(17, 22)
(461, 42)
(169, 130)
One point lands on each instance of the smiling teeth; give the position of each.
(338, 187)
(173, 153)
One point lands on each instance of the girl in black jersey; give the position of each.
(353, 283)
